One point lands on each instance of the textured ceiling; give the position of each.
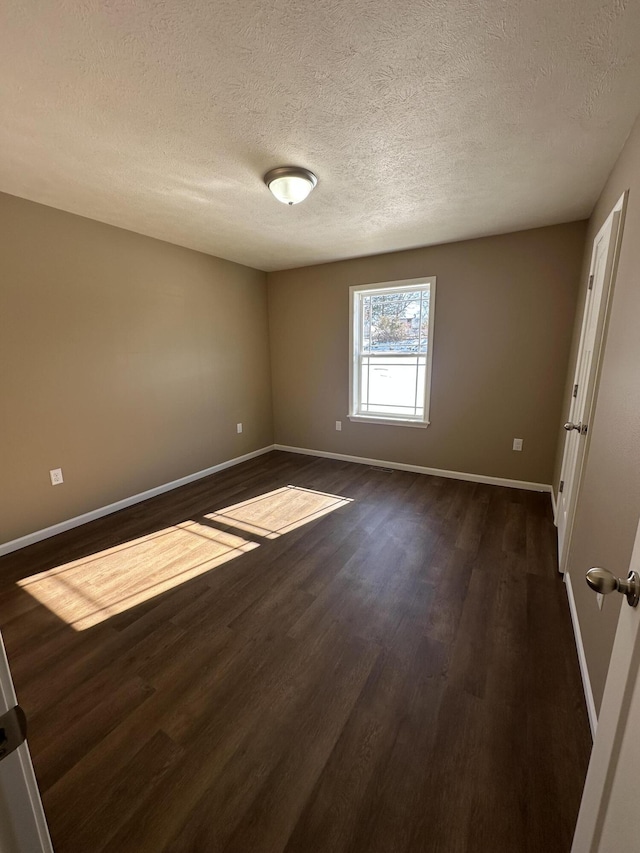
(425, 121)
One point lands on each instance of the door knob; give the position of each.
(603, 581)
(582, 428)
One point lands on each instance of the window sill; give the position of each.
(365, 419)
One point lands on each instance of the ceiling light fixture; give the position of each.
(290, 184)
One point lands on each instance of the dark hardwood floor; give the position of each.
(392, 673)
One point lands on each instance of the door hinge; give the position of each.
(13, 730)
(590, 282)
(575, 390)
(561, 486)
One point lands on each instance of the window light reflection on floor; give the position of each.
(86, 592)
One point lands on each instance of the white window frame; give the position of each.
(355, 355)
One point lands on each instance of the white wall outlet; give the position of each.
(517, 443)
(56, 476)
(600, 600)
(238, 428)
(338, 425)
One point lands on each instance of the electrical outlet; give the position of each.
(600, 600)
(238, 428)
(517, 444)
(56, 476)
(338, 425)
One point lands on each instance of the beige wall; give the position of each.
(609, 501)
(504, 314)
(124, 360)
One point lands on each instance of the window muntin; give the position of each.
(391, 345)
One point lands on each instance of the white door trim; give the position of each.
(609, 798)
(615, 221)
(582, 659)
(18, 787)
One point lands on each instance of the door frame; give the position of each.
(614, 725)
(618, 212)
(19, 795)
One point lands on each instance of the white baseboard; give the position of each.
(586, 682)
(554, 506)
(46, 532)
(420, 469)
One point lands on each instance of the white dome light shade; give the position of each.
(290, 184)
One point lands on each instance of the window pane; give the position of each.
(422, 369)
(364, 380)
(423, 329)
(393, 384)
(393, 322)
(366, 323)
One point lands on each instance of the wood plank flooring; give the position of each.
(223, 669)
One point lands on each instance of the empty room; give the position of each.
(319, 426)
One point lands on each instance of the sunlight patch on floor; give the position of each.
(278, 512)
(86, 592)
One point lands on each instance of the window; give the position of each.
(391, 347)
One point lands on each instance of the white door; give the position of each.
(609, 818)
(23, 827)
(600, 275)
